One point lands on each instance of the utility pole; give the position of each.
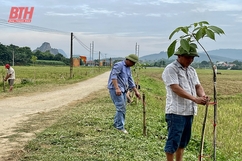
(99, 61)
(71, 56)
(105, 60)
(93, 53)
(13, 57)
(110, 63)
(137, 49)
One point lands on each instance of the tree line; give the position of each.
(235, 65)
(24, 56)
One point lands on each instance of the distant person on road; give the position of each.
(120, 80)
(10, 76)
(184, 92)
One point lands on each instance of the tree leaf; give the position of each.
(193, 45)
(216, 29)
(185, 44)
(195, 29)
(185, 29)
(171, 49)
(203, 22)
(200, 34)
(195, 24)
(175, 31)
(210, 34)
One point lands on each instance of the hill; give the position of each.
(46, 47)
(235, 54)
(228, 55)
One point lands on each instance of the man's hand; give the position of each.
(202, 100)
(137, 95)
(118, 91)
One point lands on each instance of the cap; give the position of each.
(134, 58)
(7, 66)
(181, 51)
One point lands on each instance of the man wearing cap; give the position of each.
(184, 92)
(120, 80)
(10, 76)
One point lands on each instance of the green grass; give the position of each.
(84, 131)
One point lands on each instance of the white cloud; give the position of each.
(219, 6)
(116, 25)
(153, 15)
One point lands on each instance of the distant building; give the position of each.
(76, 62)
(224, 64)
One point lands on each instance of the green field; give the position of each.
(84, 131)
(44, 78)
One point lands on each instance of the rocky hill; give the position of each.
(46, 47)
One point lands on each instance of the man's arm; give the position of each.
(117, 89)
(137, 92)
(200, 90)
(202, 99)
(7, 76)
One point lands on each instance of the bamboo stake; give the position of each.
(203, 133)
(215, 103)
(144, 116)
(215, 113)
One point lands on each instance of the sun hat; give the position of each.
(134, 58)
(181, 51)
(7, 66)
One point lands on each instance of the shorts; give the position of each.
(179, 132)
(10, 82)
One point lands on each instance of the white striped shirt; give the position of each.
(187, 79)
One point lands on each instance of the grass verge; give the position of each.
(83, 131)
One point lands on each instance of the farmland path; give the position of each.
(17, 109)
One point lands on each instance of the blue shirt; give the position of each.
(122, 74)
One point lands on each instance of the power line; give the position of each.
(82, 44)
(85, 46)
(4, 22)
(31, 27)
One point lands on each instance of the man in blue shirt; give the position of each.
(120, 80)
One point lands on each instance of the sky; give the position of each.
(116, 26)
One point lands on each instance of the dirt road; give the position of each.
(17, 109)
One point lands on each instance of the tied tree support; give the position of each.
(188, 42)
(144, 116)
(203, 133)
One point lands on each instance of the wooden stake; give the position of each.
(144, 116)
(203, 133)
